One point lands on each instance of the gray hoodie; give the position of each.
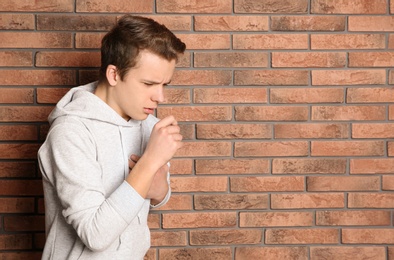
(91, 212)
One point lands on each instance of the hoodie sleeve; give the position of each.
(69, 161)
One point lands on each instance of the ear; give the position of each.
(112, 75)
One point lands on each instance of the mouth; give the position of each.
(149, 110)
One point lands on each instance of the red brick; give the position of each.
(68, 59)
(15, 242)
(311, 131)
(21, 255)
(19, 151)
(206, 41)
(37, 77)
(18, 169)
(199, 220)
(222, 253)
(24, 113)
(18, 132)
(307, 201)
(233, 131)
(24, 223)
(61, 22)
(348, 77)
(371, 23)
(226, 237)
(230, 201)
(181, 166)
(232, 166)
(230, 23)
(343, 183)
(264, 184)
(275, 219)
(154, 221)
(270, 41)
(270, 252)
(371, 59)
(50, 95)
(39, 240)
(115, 6)
(21, 187)
(173, 238)
(371, 200)
(368, 236)
(199, 184)
(344, 7)
(371, 166)
(308, 23)
(178, 202)
(196, 113)
(347, 41)
(201, 149)
(391, 112)
(309, 59)
(200, 6)
(17, 95)
(151, 254)
(271, 113)
(176, 96)
(391, 41)
(16, 205)
(173, 22)
(88, 40)
(385, 130)
(388, 183)
(187, 131)
(347, 148)
(302, 236)
(348, 113)
(275, 6)
(17, 22)
(370, 95)
(42, 6)
(230, 59)
(16, 59)
(229, 95)
(41, 206)
(258, 149)
(35, 40)
(306, 95)
(353, 218)
(201, 77)
(348, 253)
(271, 77)
(87, 76)
(308, 166)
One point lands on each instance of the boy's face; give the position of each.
(141, 90)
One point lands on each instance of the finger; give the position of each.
(135, 158)
(169, 120)
(173, 129)
(131, 164)
(177, 137)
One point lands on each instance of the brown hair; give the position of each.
(123, 43)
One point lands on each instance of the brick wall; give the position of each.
(286, 107)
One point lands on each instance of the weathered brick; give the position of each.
(176, 96)
(307, 201)
(371, 200)
(222, 253)
(347, 148)
(309, 59)
(371, 59)
(371, 166)
(16, 205)
(201, 149)
(206, 41)
(226, 237)
(344, 7)
(370, 95)
(306, 95)
(271, 252)
(15, 242)
(233, 131)
(153, 221)
(21, 169)
(201, 77)
(391, 112)
(24, 223)
(271, 77)
(371, 23)
(230, 59)
(342, 183)
(172, 238)
(17, 21)
(21, 187)
(302, 236)
(275, 6)
(178, 202)
(264, 184)
(181, 166)
(347, 41)
(88, 40)
(116, 6)
(17, 95)
(230, 201)
(87, 76)
(229, 95)
(194, 6)
(19, 151)
(16, 59)
(42, 6)
(187, 131)
(384, 130)
(388, 183)
(368, 236)
(61, 22)
(258, 149)
(24, 114)
(151, 254)
(308, 23)
(37, 77)
(271, 113)
(196, 113)
(347, 113)
(311, 130)
(353, 218)
(50, 95)
(35, 40)
(232, 166)
(348, 77)
(309, 166)
(230, 23)
(18, 132)
(270, 41)
(348, 253)
(199, 220)
(275, 219)
(199, 184)
(68, 59)
(173, 22)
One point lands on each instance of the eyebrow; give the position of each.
(155, 82)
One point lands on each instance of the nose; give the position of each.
(159, 94)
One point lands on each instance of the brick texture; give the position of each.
(286, 108)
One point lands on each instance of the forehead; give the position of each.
(151, 64)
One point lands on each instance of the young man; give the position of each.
(105, 160)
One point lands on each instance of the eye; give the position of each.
(148, 84)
